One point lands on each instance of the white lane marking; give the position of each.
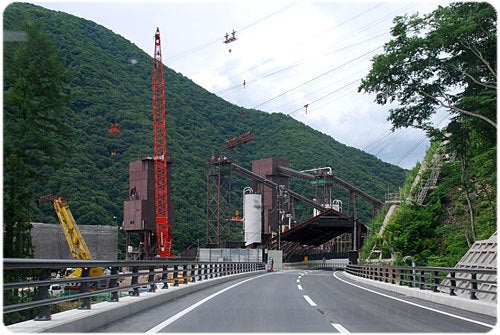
(298, 280)
(299, 287)
(177, 316)
(310, 301)
(340, 328)
(415, 304)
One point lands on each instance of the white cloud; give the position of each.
(289, 53)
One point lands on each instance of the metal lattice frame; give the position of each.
(218, 200)
(164, 239)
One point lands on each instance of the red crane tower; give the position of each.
(164, 239)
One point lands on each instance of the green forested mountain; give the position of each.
(108, 80)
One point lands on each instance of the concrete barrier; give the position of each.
(477, 306)
(103, 313)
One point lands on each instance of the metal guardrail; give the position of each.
(436, 279)
(327, 264)
(34, 275)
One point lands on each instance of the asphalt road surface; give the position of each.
(304, 302)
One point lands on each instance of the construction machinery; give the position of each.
(74, 237)
(148, 210)
(163, 236)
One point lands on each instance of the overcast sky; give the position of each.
(289, 54)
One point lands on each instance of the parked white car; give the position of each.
(55, 290)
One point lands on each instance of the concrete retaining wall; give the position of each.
(49, 241)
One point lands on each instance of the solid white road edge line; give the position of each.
(340, 328)
(415, 304)
(309, 300)
(177, 316)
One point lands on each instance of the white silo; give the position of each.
(252, 208)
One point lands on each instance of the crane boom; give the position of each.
(163, 236)
(74, 237)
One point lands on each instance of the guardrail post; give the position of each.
(164, 276)
(474, 286)
(200, 272)
(176, 275)
(436, 281)
(453, 283)
(205, 270)
(135, 280)
(43, 293)
(194, 272)
(84, 288)
(113, 282)
(185, 274)
(421, 285)
(151, 280)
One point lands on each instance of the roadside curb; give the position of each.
(477, 306)
(82, 321)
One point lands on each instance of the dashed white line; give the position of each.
(340, 328)
(298, 280)
(299, 287)
(310, 301)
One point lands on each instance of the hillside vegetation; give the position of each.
(446, 58)
(107, 79)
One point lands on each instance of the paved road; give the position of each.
(300, 301)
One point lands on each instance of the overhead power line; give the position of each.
(317, 77)
(182, 54)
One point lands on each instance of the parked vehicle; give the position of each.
(145, 288)
(55, 290)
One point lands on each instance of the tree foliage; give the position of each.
(34, 96)
(444, 59)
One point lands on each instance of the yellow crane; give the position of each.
(74, 237)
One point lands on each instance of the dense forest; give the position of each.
(445, 59)
(60, 144)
